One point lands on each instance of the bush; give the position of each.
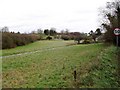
(65, 37)
(10, 40)
(48, 38)
(86, 41)
(7, 41)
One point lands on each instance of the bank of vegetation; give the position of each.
(101, 72)
(11, 40)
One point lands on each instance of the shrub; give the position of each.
(86, 41)
(7, 41)
(48, 38)
(65, 37)
(10, 40)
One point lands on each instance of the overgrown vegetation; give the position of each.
(111, 20)
(101, 72)
(11, 40)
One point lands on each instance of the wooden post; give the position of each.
(75, 75)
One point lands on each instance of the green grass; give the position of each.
(104, 74)
(39, 45)
(52, 68)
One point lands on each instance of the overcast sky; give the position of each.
(29, 15)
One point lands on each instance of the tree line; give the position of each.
(110, 21)
(11, 39)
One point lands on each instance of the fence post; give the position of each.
(75, 75)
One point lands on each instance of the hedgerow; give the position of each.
(11, 40)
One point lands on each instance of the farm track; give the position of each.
(31, 52)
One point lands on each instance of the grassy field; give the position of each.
(40, 45)
(53, 67)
